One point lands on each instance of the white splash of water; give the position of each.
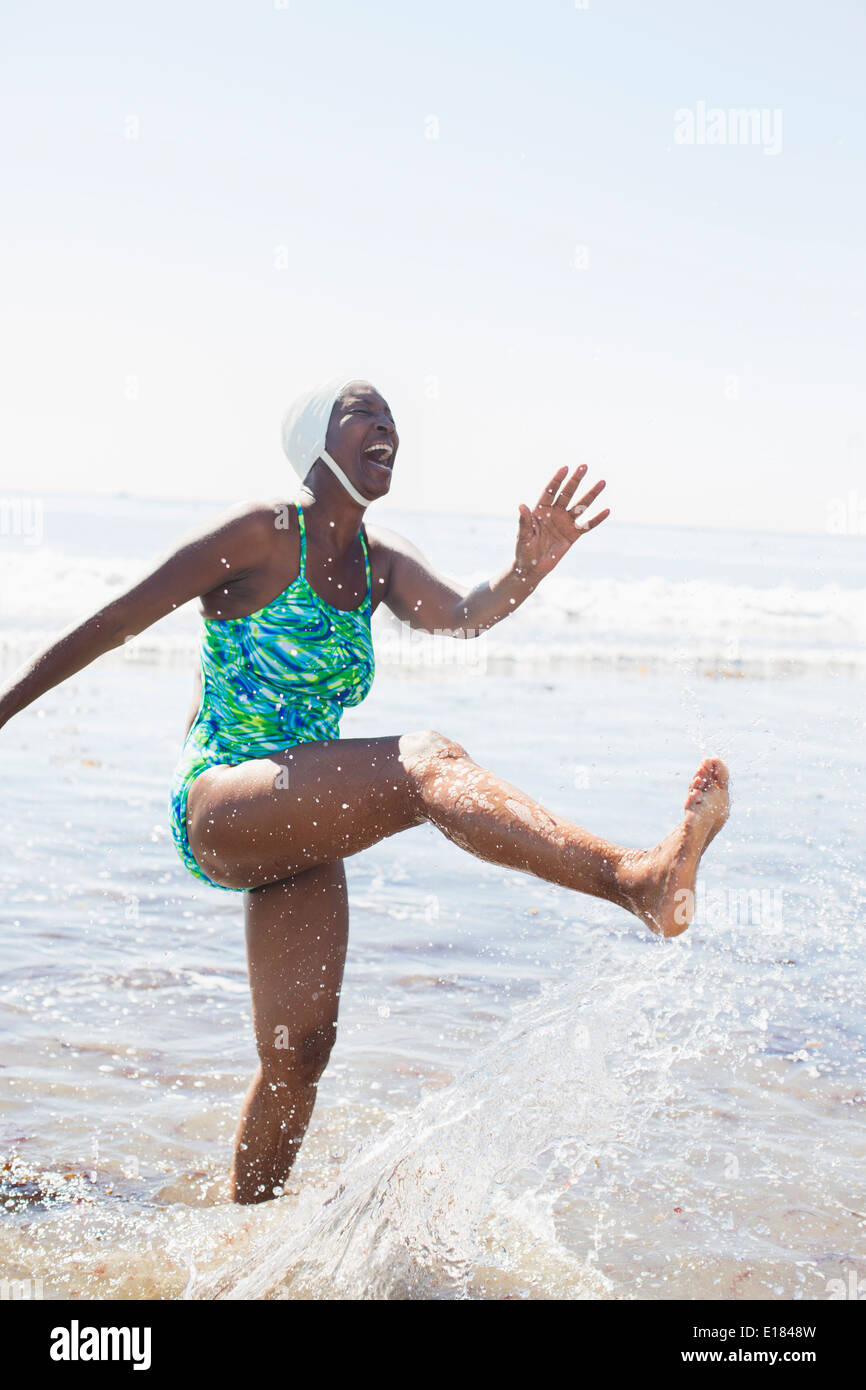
(458, 1200)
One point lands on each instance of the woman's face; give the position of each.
(362, 437)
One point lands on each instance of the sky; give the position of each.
(536, 227)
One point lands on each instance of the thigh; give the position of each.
(297, 932)
(268, 818)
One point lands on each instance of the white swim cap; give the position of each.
(305, 429)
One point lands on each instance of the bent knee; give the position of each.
(419, 749)
(292, 1056)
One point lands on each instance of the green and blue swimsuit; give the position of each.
(279, 677)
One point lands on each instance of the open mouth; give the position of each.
(380, 455)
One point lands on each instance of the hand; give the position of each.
(547, 532)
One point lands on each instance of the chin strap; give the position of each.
(341, 478)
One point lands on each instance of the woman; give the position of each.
(269, 801)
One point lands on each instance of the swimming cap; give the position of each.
(305, 429)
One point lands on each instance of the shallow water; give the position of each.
(529, 1096)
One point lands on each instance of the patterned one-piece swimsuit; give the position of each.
(279, 677)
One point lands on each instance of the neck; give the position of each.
(328, 505)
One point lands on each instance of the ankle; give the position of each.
(630, 870)
(599, 867)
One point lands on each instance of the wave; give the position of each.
(645, 626)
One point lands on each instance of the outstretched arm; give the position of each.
(217, 554)
(419, 596)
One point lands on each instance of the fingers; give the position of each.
(587, 499)
(549, 500)
(571, 486)
(547, 497)
(583, 526)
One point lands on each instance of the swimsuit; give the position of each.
(279, 677)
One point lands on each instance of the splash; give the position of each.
(460, 1199)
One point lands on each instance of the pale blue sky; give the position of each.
(553, 279)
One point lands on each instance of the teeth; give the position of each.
(380, 448)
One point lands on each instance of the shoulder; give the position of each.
(257, 523)
(390, 544)
(244, 537)
(270, 514)
(401, 568)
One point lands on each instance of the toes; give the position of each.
(711, 776)
(699, 784)
(711, 771)
(716, 770)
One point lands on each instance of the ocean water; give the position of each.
(530, 1096)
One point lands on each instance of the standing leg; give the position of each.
(296, 946)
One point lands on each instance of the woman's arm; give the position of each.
(216, 554)
(416, 594)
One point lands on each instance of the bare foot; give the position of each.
(660, 883)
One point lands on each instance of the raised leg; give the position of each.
(296, 946)
(270, 818)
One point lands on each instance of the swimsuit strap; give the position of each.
(366, 565)
(303, 535)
